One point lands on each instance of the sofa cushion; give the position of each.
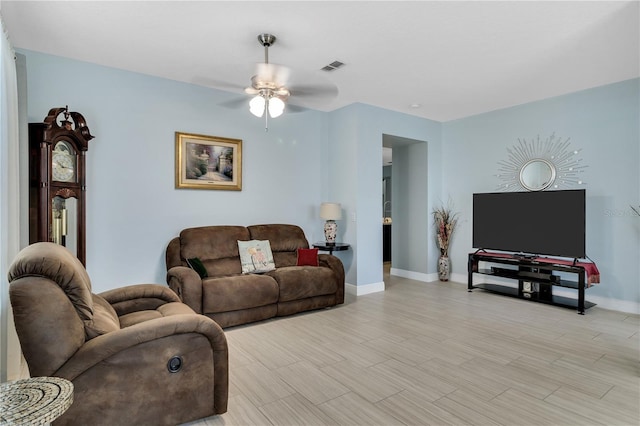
(300, 282)
(223, 267)
(307, 257)
(211, 242)
(238, 292)
(168, 309)
(282, 237)
(137, 317)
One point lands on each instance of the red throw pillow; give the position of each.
(308, 257)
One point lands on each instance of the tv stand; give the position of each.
(536, 278)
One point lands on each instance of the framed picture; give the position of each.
(208, 162)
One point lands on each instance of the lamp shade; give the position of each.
(330, 211)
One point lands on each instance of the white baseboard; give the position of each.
(603, 302)
(360, 290)
(418, 276)
(427, 278)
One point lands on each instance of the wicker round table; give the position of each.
(34, 401)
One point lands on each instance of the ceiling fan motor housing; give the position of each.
(266, 39)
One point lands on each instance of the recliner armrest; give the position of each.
(139, 297)
(108, 345)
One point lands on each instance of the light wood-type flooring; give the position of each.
(434, 354)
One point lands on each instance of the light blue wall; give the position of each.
(604, 123)
(357, 131)
(412, 224)
(311, 157)
(342, 180)
(304, 159)
(133, 208)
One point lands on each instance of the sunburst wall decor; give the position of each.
(538, 164)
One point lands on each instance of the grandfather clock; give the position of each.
(57, 201)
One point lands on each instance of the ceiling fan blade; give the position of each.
(217, 84)
(282, 93)
(294, 108)
(325, 91)
(251, 91)
(236, 103)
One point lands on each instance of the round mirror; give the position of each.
(537, 174)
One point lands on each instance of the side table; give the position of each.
(331, 247)
(34, 401)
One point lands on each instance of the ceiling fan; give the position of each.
(268, 85)
(271, 88)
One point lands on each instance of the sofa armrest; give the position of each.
(335, 264)
(151, 332)
(139, 297)
(187, 284)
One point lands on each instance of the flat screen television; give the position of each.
(539, 223)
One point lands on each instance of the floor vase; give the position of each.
(444, 268)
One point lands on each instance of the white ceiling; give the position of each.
(452, 58)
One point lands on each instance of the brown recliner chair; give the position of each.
(136, 355)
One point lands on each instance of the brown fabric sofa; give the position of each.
(231, 298)
(116, 347)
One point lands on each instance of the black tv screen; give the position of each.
(541, 223)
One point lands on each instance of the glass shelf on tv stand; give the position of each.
(535, 279)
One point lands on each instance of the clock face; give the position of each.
(63, 165)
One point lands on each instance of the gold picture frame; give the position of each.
(208, 162)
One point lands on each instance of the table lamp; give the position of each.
(330, 212)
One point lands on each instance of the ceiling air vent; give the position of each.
(332, 66)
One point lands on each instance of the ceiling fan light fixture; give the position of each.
(256, 105)
(269, 90)
(276, 107)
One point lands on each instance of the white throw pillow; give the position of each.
(256, 256)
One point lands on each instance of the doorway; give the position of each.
(387, 214)
(404, 206)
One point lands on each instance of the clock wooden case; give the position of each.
(57, 173)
